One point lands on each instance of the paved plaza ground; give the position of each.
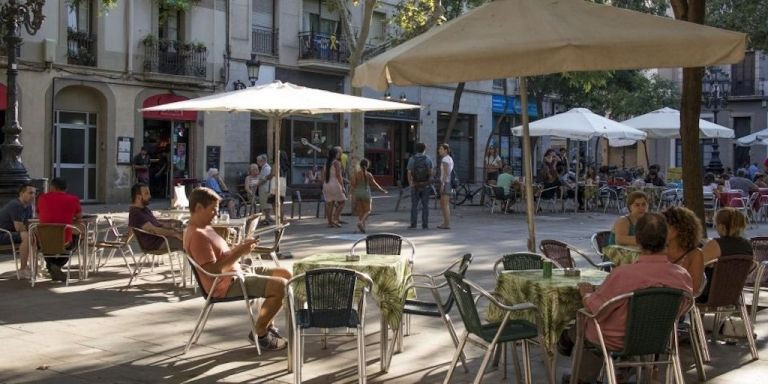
(94, 331)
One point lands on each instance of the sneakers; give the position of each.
(271, 341)
(56, 273)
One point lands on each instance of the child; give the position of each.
(361, 189)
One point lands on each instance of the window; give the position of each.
(170, 23)
(378, 28)
(79, 17)
(263, 13)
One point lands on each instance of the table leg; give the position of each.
(550, 361)
(291, 336)
(384, 340)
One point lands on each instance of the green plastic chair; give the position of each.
(652, 317)
(520, 261)
(488, 335)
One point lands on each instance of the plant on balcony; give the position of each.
(149, 40)
(200, 47)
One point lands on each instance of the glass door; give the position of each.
(75, 152)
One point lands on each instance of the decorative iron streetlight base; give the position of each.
(715, 165)
(12, 172)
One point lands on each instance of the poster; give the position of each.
(212, 157)
(124, 150)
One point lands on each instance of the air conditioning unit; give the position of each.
(49, 50)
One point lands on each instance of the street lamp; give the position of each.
(716, 86)
(13, 15)
(253, 67)
(238, 85)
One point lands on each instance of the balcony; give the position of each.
(264, 41)
(174, 57)
(323, 51)
(81, 48)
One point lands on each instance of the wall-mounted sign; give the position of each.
(124, 150)
(212, 157)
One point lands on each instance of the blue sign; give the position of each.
(497, 105)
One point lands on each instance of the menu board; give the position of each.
(212, 157)
(124, 150)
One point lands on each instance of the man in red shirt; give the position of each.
(59, 207)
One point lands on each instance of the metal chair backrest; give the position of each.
(728, 278)
(330, 296)
(557, 251)
(383, 244)
(519, 261)
(51, 238)
(138, 231)
(651, 318)
(466, 260)
(251, 222)
(196, 274)
(760, 251)
(465, 302)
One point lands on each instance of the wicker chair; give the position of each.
(651, 330)
(330, 295)
(725, 296)
(436, 308)
(385, 244)
(759, 278)
(520, 261)
(561, 253)
(489, 335)
(50, 240)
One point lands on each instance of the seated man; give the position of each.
(652, 269)
(215, 183)
(505, 180)
(13, 218)
(140, 216)
(740, 182)
(211, 252)
(59, 207)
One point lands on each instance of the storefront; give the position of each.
(462, 143)
(389, 142)
(508, 147)
(167, 138)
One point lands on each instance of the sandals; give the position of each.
(361, 227)
(443, 227)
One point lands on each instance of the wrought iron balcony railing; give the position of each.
(264, 41)
(81, 48)
(175, 57)
(323, 46)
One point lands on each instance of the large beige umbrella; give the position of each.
(508, 38)
(277, 101)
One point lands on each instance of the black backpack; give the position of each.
(421, 169)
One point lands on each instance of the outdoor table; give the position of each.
(173, 214)
(726, 197)
(557, 299)
(388, 273)
(621, 254)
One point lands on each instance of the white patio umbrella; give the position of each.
(664, 123)
(582, 124)
(277, 101)
(508, 38)
(757, 138)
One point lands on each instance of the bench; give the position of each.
(306, 193)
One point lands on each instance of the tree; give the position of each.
(690, 109)
(748, 16)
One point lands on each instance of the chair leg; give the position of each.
(202, 325)
(192, 337)
(484, 364)
(748, 329)
(456, 355)
(455, 338)
(361, 363)
(698, 324)
(298, 352)
(526, 361)
(755, 301)
(698, 359)
(252, 323)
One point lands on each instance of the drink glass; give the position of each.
(547, 268)
(225, 217)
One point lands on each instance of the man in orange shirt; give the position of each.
(213, 254)
(59, 207)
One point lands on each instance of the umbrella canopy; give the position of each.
(664, 123)
(507, 38)
(581, 124)
(757, 138)
(278, 100)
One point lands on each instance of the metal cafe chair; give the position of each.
(210, 301)
(114, 241)
(12, 249)
(330, 303)
(149, 255)
(50, 240)
(437, 307)
(489, 335)
(386, 244)
(759, 279)
(560, 252)
(520, 261)
(651, 329)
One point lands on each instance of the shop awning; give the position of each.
(167, 98)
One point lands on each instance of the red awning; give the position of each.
(166, 98)
(3, 97)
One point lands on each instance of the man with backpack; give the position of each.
(419, 178)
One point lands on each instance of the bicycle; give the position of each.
(464, 192)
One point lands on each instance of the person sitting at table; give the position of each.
(568, 181)
(251, 183)
(212, 253)
(214, 181)
(730, 224)
(760, 180)
(741, 183)
(140, 216)
(505, 181)
(652, 269)
(654, 179)
(623, 231)
(14, 217)
(59, 207)
(683, 238)
(548, 175)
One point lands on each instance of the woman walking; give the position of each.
(361, 189)
(332, 188)
(446, 167)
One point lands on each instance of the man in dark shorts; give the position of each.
(14, 217)
(59, 207)
(212, 253)
(140, 216)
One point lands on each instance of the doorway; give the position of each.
(167, 143)
(75, 152)
(462, 143)
(741, 127)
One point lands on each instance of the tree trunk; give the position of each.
(454, 112)
(690, 110)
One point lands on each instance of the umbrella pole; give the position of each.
(647, 159)
(276, 120)
(578, 161)
(527, 168)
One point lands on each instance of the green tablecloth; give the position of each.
(388, 273)
(620, 255)
(557, 298)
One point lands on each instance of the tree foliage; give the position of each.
(748, 16)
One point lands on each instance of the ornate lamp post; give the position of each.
(13, 15)
(253, 67)
(714, 96)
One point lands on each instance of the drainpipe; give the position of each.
(129, 40)
(228, 46)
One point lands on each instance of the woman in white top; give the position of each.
(493, 165)
(446, 167)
